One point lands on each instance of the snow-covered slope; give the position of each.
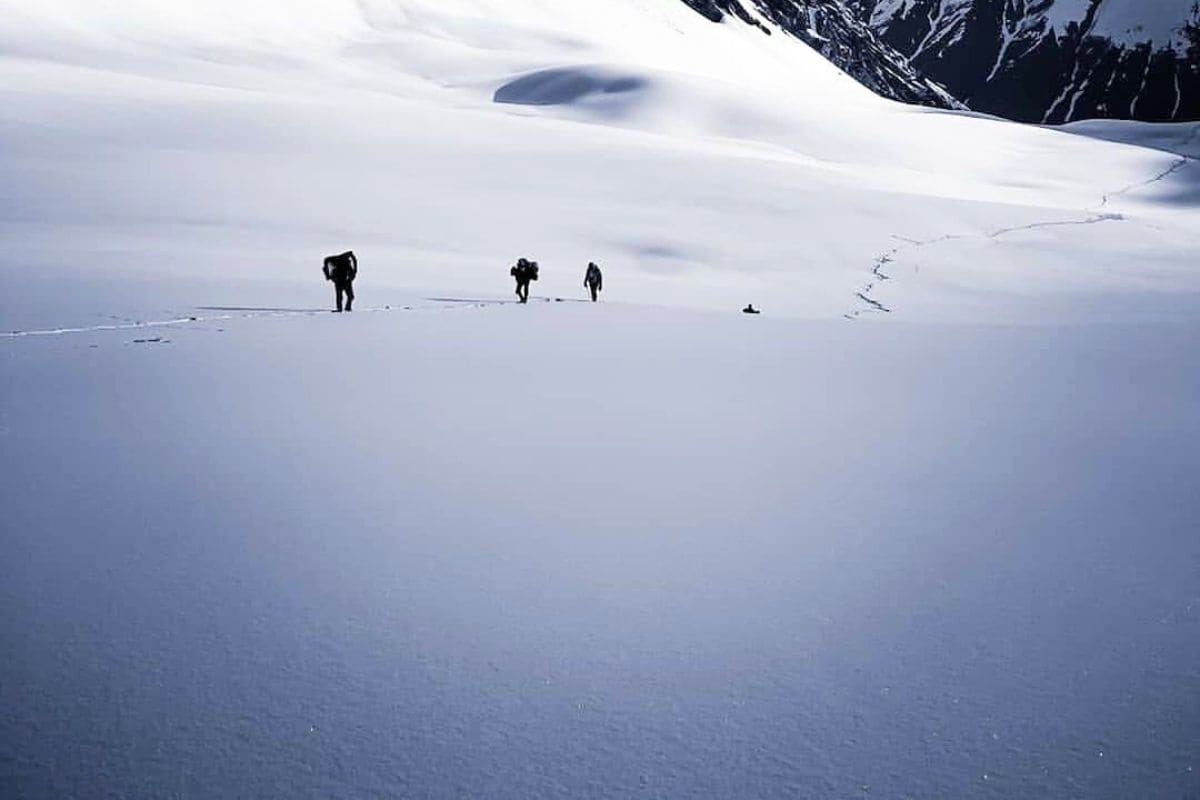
(1053, 60)
(449, 546)
(564, 550)
(709, 163)
(831, 28)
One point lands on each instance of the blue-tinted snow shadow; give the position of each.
(1177, 138)
(1181, 187)
(663, 258)
(566, 85)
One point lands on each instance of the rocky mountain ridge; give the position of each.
(1044, 61)
(835, 31)
(1052, 61)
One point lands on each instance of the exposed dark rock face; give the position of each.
(1050, 61)
(836, 32)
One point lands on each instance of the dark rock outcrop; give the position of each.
(1019, 59)
(836, 32)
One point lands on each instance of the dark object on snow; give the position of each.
(342, 270)
(524, 272)
(750, 309)
(593, 280)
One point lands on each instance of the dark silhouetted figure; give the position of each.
(593, 280)
(750, 309)
(524, 272)
(342, 270)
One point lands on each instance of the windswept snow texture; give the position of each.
(924, 528)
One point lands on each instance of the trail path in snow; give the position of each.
(445, 303)
(1092, 216)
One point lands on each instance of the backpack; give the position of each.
(533, 271)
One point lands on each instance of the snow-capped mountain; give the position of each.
(832, 29)
(1052, 61)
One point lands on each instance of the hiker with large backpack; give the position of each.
(524, 272)
(342, 270)
(593, 280)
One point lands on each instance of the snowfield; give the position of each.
(926, 528)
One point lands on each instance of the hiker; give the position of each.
(342, 270)
(750, 309)
(524, 272)
(593, 280)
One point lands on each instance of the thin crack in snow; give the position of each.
(1177, 165)
(1095, 216)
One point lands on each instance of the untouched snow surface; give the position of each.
(925, 528)
(576, 550)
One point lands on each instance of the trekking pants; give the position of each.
(344, 288)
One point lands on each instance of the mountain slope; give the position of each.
(831, 29)
(1052, 61)
(440, 139)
